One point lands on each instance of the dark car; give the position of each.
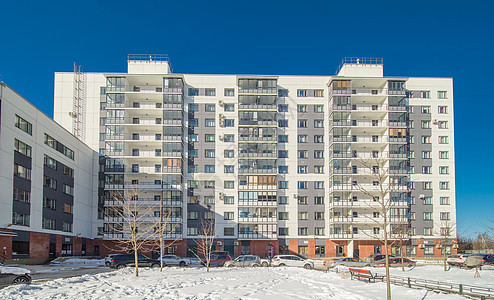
(217, 260)
(378, 257)
(396, 262)
(120, 261)
(488, 259)
(14, 275)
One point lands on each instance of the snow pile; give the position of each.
(13, 270)
(219, 283)
(78, 261)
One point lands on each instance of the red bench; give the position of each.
(365, 274)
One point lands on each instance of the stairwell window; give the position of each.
(301, 93)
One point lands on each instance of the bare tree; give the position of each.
(130, 222)
(168, 231)
(383, 184)
(205, 243)
(400, 232)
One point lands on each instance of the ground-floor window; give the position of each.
(320, 251)
(377, 250)
(66, 249)
(303, 250)
(284, 250)
(340, 250)
(20, 248)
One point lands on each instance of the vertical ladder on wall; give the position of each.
(79, 103)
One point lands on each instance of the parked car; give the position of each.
(108, 259)
(217, 260)
(347, 262)
(292, 261)
(244, 261)
(473, 261)
(266, 262)
(457, 259)
(377, 257)
(173, 260)
(14, 275)
(194, 261)
(489, 259)
(395, 262)
(120, 261)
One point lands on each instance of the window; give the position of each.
(302, 154)
(426, 139)
(318, 154)
(375, 214)
(441, 94)
(426, 124)
(283, 169)
(210, 107)
(426, 185)
(282, 138)
(318, 216)
(229, 200)
(49, 203)
(318, 139)
(282, 200)
(229, 138)
(283, 123)
(443, 170)
(302, 123)
(67, 208)
(318, 93)
(20, 219)
(319, 200)
(229, 169)
(444, 216)
(427, 231)
(22, 148)
(193, 106)
(21, 195)
(209, 200)
(442, 109)
(412, 216)
(426, 154)
(229, 123)
(282, 215)
(193, 122)
(426, 170)
(427, 200)
(301, 93)
(229, 184)
(443, 140)
(229, 92)
(67, 189)
(193, 92)
(209, 184)
(302, 139)
(229, 231)
(301, 108)
(50, 141)
(209, 215)
(67, 171)
(210, 92)
(22, 172)
(282, 108)
(318, 123)
(228, 216)
(229, 107)
(283, 231)
(318, 185)
(302, 184)
(282, 93)
(443, 185)
(210, 123)
(319, 230)
(444, 200)
(192, 231)
(442, 124)
(302, 170)
(209, 153)
(49, 224)
(443, 154)
(318, 108)
(229, 153)
(375, 230)
(23, 125)
(426, 109)
(210, 137)
(192, 199)
(50, 162)
(194, 153)
(303, 215)
(209, 169)
(283, 185)
(302, 200)
(282, 153)
(427, 216)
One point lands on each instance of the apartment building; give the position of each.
(49, 180)
(281, 164)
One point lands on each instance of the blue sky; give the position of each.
(415, 38)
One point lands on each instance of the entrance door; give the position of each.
(270, 251)
(339, 251)
(356, 254)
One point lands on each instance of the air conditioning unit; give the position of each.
(221, 120)
(295, 196)
(439, 246)
(434, 122)
(219, 243)
(220, 103)
(220, 137)
(221, 196)
(236, 243)
(455, 246)
(421, 196)
(421, 246)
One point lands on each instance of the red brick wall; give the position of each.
(293, 246)
(261, 247)
(181, 248)
(39, 245)
(237, 249)
(77, 246)
(59, 246)
(312, 248)
(6, 246)
(420, 252)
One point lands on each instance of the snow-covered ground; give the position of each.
(78, 261)
(231, 283)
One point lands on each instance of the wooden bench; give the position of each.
(365, 274)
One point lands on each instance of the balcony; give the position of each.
(342, 139)
(258, 154)
(258, 138)
(398, 108)
(144, 88)
(343, 220)
(257, 203)
(341, 123)
(357, 91)
(272, 91)
(369, 123)
(254, 219)
(342, 154)
(369, 107)
(249, 122)
(403, 140)
(258, 236)
(258, 171)
(397, 124)
(342, 106)
(258, 106)
(132, 137)
(258, 187)
(336, 236)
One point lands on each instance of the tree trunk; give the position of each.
(444, 253)
(401, 255)
(388, 281)
(134, 241)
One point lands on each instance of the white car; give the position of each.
(108, 259)
(292, 261)
(173, 260)
(457, 259)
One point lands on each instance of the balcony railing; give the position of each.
(258, 122)
(257, 91)
(258, 236)
(258, 138)
(260, 154)
(258, 219)
(257, 203)
(257, 187)
(258, 171)
(258, 106)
